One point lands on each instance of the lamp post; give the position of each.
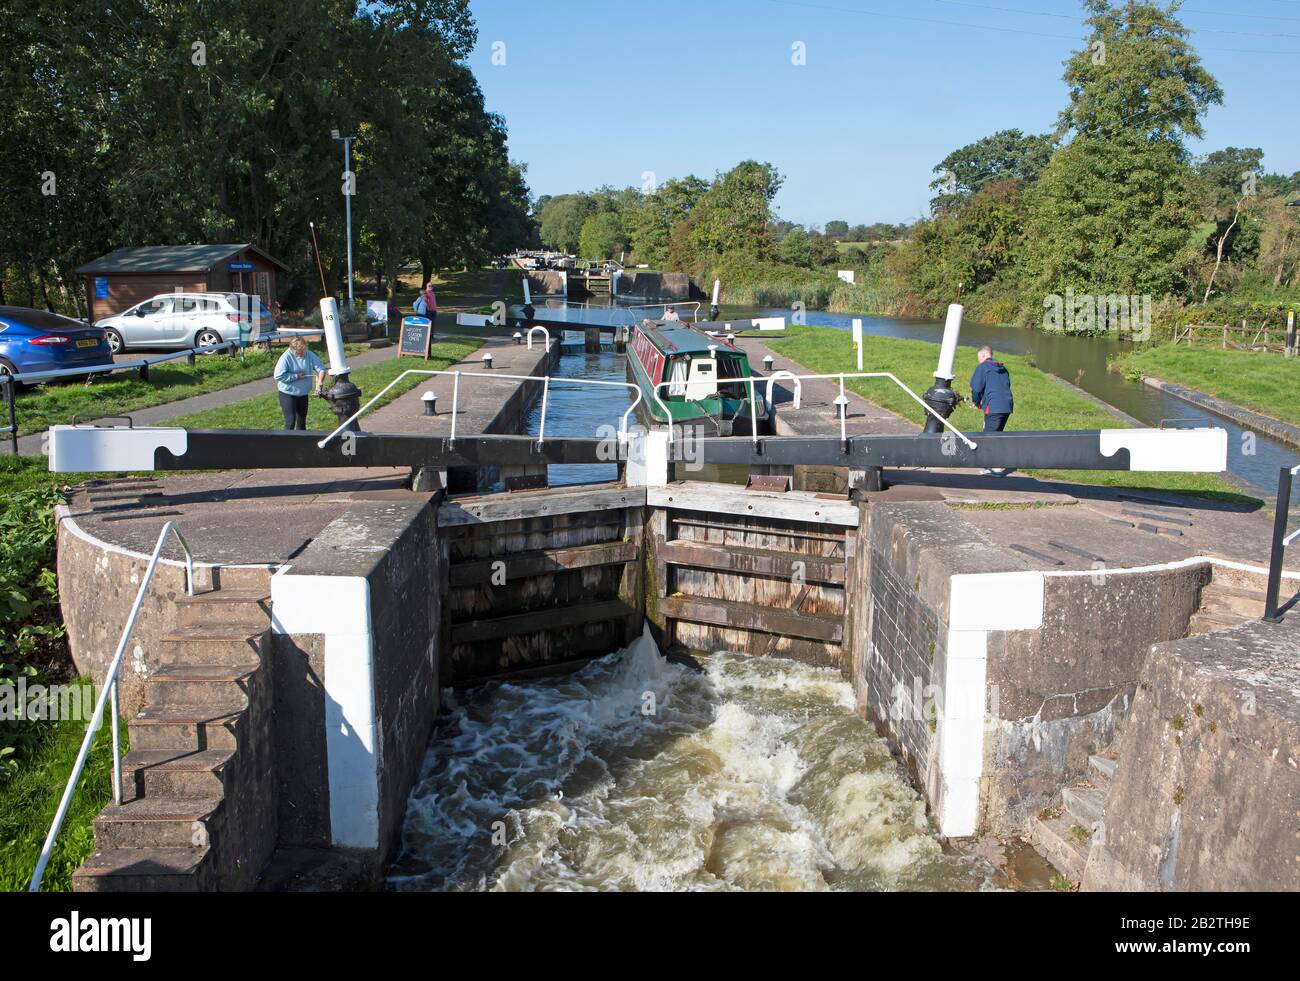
(349, 186)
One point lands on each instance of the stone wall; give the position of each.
(98, 584)
(357, 618)
(994, 681)
(1207, 788)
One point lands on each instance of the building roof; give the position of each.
(170, 258)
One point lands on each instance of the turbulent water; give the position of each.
(638, 773)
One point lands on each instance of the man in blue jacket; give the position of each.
(990, 391)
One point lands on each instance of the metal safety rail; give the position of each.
(1281, 521)
(693, 304)
(841, 402)
(108, 696)
(545, 381)
(8, 389)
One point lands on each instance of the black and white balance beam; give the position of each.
(80, 449)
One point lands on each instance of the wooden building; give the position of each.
(123, 278)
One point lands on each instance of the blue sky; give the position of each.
(602, 93)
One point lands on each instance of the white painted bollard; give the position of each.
(857, 340)
(951, 335)
(329, 317)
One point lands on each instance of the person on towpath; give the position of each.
(990, 392)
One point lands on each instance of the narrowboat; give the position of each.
(700, 377)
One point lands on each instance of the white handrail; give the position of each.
(110, 692)
(545, 333)
(494, 376)
(836, 377)
(798, 385)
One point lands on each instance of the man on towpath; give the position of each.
(990, 392)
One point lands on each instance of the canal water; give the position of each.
(638, 773)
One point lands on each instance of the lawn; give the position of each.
(121, 394)
(466, 289)
(1041, 402)
(36, 757)
(263, 411)
(1258, 381)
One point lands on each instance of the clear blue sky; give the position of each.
(600, 93)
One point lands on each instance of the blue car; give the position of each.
(35, 340)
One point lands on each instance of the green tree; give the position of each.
(732, 217)
(602, 237)
(1008, 154)
(796, 249)
(1118, 207)
(651, 223)
(837, 229)
(561, 220)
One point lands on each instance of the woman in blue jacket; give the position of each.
(295, 374)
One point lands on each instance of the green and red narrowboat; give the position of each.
(701, 378)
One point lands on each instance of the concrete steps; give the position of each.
(176, 830)
(1225, 604)
(1063, 835)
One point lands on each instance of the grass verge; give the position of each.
(1261, 382)
(263, 411)
(120, 394)
(36, 755)
(1041, 403)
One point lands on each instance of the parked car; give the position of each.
(175, 321)
(36, 340)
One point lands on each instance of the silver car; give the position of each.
(175, 321)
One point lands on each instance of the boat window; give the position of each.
(678, 379)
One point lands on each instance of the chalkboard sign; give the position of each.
(417, 337)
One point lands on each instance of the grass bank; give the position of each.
(263, 411)
(36, 755)
(1262, 382)
(56, 403)
(1041, 403)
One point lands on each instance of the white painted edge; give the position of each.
(1169, 450)
(338, 607)
(82, 449)
(728, 499)
(647, 460)
(473, 319)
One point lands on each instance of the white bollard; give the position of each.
(857, 340)
(951, 335)
(329, 317)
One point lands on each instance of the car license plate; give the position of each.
(88, 342)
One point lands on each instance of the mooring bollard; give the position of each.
(430, 404)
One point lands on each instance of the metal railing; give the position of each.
(694, 304)
(841, 402)
(1281, 521)
(109, 695)
(9, 387)
(456, 376)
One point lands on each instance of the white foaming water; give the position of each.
(640, 774)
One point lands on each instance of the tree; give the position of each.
(1138, 74)
(795, 249)
(652, 222)
(562, 219)
(733, 215)
(1118, 207)
(1008, 154)
(1231, 176)
(837, 229)
(602, 237)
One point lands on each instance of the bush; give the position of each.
(31, 632)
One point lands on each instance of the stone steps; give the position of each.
(1226, 603)
(174, 831)
(144, 870)
(1065, 834)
